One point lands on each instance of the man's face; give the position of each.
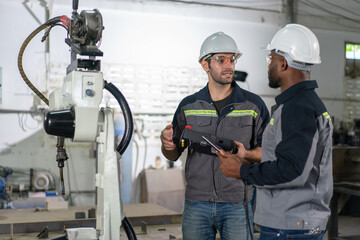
(222, 67)
(274, 61)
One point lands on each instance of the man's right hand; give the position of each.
(166, 138)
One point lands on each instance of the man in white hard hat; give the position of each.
(294, 179)
(214, 202)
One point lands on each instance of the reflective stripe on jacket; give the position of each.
(243, 119)
(294, 179)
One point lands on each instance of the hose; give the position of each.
(108, 86)
(47, 24)
(128, 229)
(129, 125)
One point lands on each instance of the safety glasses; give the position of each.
(223, 60)
(269, 58)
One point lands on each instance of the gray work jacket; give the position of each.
(294, 179)
(243, 119)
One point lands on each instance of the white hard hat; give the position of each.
(299, 43)
(218, 43)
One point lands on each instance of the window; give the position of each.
(352, 81)
(352, 51)
(352, 59)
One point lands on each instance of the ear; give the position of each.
(284, 65)
(205, 65)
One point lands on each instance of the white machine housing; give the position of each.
(83, 91)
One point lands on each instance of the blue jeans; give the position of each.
(201, 220)
(267, 233)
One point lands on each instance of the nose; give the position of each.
(227, 61)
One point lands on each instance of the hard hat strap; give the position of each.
(294, 64)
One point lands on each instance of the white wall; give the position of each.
(16, 94)
(172, 37)
(147, 34)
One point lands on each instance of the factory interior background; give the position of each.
(151, 51)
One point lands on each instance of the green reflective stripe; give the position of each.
(200, 112)
(326, 115)
(243, 112)
(272, 121)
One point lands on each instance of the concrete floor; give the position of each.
(349, 229)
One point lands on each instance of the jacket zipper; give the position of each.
(220, 117)
(213, 158)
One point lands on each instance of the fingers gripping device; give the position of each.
(200, 142)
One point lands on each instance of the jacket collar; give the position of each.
(294, 90)
(237, 96)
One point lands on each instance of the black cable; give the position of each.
(61, 25)
(129, 125)
(128, 229)
(247, 212)
(69, 197)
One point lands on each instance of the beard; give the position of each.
(273, 79)
(225, 77)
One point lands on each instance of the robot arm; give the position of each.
(74, 113)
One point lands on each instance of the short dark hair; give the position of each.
(208, 58)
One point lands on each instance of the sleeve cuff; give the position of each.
(244, 172)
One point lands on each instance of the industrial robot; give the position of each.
(74, 112)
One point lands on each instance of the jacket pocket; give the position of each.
(261, 195)
(280, 200)
(241, 129)
(241, 121)
(198, 123)
(203, 121)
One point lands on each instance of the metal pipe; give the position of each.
(13, 111)
(290, 15)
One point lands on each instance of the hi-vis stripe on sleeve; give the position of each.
(243, 113)
(326, 115)
(200, 112)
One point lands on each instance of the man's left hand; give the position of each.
(229, 164)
